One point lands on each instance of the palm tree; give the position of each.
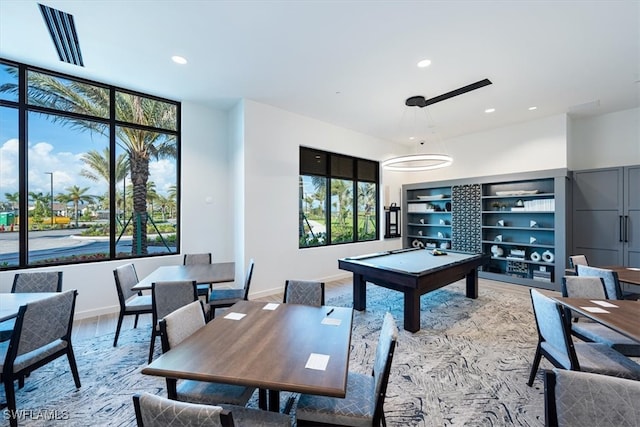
(14, 199)
(152, 195)
(140, 145)
(76, 196)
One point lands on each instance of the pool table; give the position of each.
(413, 272)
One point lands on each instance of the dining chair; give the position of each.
(156, 411)
(221, 298)
(132, 303)
(304, 292)
(588, 330)
(555, 343)
(167, 297)
(200, 258)
(574, 398)
(364, 400)
(42, 334)
(174, 328)
(611, 281)
(30, 281)
(576, 260)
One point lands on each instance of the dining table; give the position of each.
(630, 275)
(622, 316)
(217, 272)
(271, 346)
(10, 303)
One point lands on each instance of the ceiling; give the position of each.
(353, 63)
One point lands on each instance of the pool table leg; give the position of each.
(359, 292)
(472, 284)
(412, 311)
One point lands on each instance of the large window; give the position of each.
(338, 199)
(88, 171)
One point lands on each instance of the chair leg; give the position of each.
(10, 394)
(153, 344)
(534, 367)
(72, 364)
(135, 322)
(115, 340)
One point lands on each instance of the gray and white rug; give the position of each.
(467, 366)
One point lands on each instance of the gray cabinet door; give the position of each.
(632, 216)
(598, 207)
(606, 215)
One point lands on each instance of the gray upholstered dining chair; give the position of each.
(156, 411)
(555, 343)
(584, 399)
(610, 278)
(42, 334)
(167, 297)
(588, 330)
(31, 281)
(363, 403)
(304, 292)
(132, 303)
(174, 328)
(221, 298)
(37, 281)
(200, 258)
(576, 260)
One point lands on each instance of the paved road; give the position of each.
(60, 243)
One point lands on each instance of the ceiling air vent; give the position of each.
(63, 33)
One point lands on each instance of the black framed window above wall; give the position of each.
(338, 199)
(90, 171)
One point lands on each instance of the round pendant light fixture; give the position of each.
(417, 162)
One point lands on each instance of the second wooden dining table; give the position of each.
(276, 347)
(218, 272)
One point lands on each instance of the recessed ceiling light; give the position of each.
(489, 110)
(179, 59)
(533, 108)
(411, 138)
(424, 63)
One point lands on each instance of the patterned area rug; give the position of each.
(467, 366)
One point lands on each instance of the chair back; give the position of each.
(126, 278)
(304, 292)
(204, 258)
(247, 279)
(574, 398)
(583, 287)
(157, 411)
(553, 331)
(37, 281)
(170, 296)
(576, 260)
(180, 324)
(382, 363)
(40, 324)
(610, 278)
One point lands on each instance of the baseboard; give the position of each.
(114, 309)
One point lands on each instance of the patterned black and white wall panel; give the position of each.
(466, 218)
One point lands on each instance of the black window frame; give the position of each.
(329, 165)
(23, 108)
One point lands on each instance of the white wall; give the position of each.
(530, 146)
(272, 141)
(604, 141)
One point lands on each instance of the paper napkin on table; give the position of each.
(317, 361)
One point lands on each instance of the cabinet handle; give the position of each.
(621, 228)
(626, 228)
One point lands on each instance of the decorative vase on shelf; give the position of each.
(547, 256)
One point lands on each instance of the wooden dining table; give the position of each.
(271, 346)
(217, 272)
(630, 275)
(10, 303)
(622, 316)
